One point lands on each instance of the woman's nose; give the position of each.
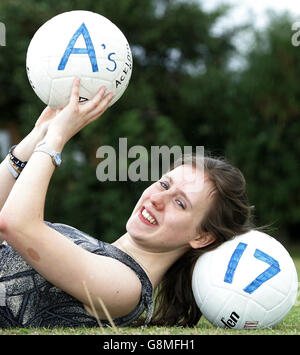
(158, 200)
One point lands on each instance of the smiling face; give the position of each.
(169, 212)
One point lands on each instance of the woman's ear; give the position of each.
(202, 240)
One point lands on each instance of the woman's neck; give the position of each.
(154, 263)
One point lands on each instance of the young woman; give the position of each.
(55, 275)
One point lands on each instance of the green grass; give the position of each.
(290, 325)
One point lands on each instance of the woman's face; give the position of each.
(169, 211)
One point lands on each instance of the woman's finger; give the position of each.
(94, 102)
(75, 91)
(101, 107)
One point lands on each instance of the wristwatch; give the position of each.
(56, 157)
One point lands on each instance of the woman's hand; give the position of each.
(41, 126)
(23, 151)
(25, 148)
(75, 116)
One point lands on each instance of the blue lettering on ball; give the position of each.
(233, 263)
(113, 61)
(270, 272)
(82, 30)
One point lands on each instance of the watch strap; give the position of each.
(46, 150)
(53, 154)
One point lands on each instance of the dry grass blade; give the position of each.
(108, 315)
(92, 305)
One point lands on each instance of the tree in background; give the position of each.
(265, 122)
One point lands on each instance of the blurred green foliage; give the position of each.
(182, 92)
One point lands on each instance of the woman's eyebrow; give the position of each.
(180, 191)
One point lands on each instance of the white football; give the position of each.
(80, 44)
(246, 283)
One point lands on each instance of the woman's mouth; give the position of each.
(147, 218)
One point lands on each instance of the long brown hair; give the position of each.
(228, 216)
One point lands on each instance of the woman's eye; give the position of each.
(164, 185)
(181, 204)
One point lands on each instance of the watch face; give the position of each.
(57, 159)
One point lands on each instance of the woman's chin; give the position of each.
(137, 229)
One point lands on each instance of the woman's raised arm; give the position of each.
(25, 204)
(56, 258)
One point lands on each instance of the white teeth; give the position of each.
(148, 217)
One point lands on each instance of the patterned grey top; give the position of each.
(28, 300)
